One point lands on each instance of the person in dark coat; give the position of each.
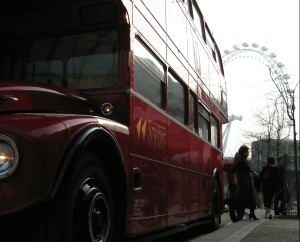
(269, 178)
(246, 196)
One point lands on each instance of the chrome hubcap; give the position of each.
(97, 212)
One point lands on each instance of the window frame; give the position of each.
(162, 80)
(184, 88)
(204, 116)
(213, 121)
(193, 115)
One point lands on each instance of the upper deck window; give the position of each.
(192, 112)
(188, 6)
(176, 98)
(210, 41)
(204, 123)
(198, 19)
(159, 13)
(214, 132)
(83, 61)
(149, 75)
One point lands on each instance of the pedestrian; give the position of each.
(278, 209)
(246, 195)
(269, 179)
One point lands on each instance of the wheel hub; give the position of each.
(97, 212)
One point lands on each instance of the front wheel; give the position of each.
(92, 211)
(85, 209)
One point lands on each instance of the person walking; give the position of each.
(278, 209)
(246, 195)
(269, 179)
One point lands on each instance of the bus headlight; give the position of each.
(9, 156)
(107, 109)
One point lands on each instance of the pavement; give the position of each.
(280, 228)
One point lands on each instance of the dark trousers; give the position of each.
(278, 198)
(268, 197)
(235, 214)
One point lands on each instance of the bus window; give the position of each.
(158, 13)
(50, 72)
(214, 82)
(210, 42)
(82, 61)
(198, 19)
(149, 75)
(204, 124)
(219, 60)
(188, 6)
(192, 113)
(176, 99)
(193, 50)
(177, 23)
(214, 132)
(204, 61)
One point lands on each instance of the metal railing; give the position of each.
(290, 191)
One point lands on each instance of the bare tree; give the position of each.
(271, 125)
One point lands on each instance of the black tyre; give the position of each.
(216, 212)
(85, 210)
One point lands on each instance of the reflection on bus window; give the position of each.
(83, 61)
(50, 72)
(204, 125)
(214, 83)
(214, 132)
(176, 98)
(158, 13)
(210, 42)
(198, 19)
(177, 23)
(192, 113)
(149, 75)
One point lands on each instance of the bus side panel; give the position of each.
(218, 164)
(195, 189)
(205, 181)
(149, 197)
(178, 174)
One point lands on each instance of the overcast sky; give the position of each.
(270, 23)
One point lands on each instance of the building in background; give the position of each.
(262, 149)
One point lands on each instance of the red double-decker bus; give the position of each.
(110, 120)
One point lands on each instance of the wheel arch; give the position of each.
(100, 142)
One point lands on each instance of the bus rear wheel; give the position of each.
(216, 212)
